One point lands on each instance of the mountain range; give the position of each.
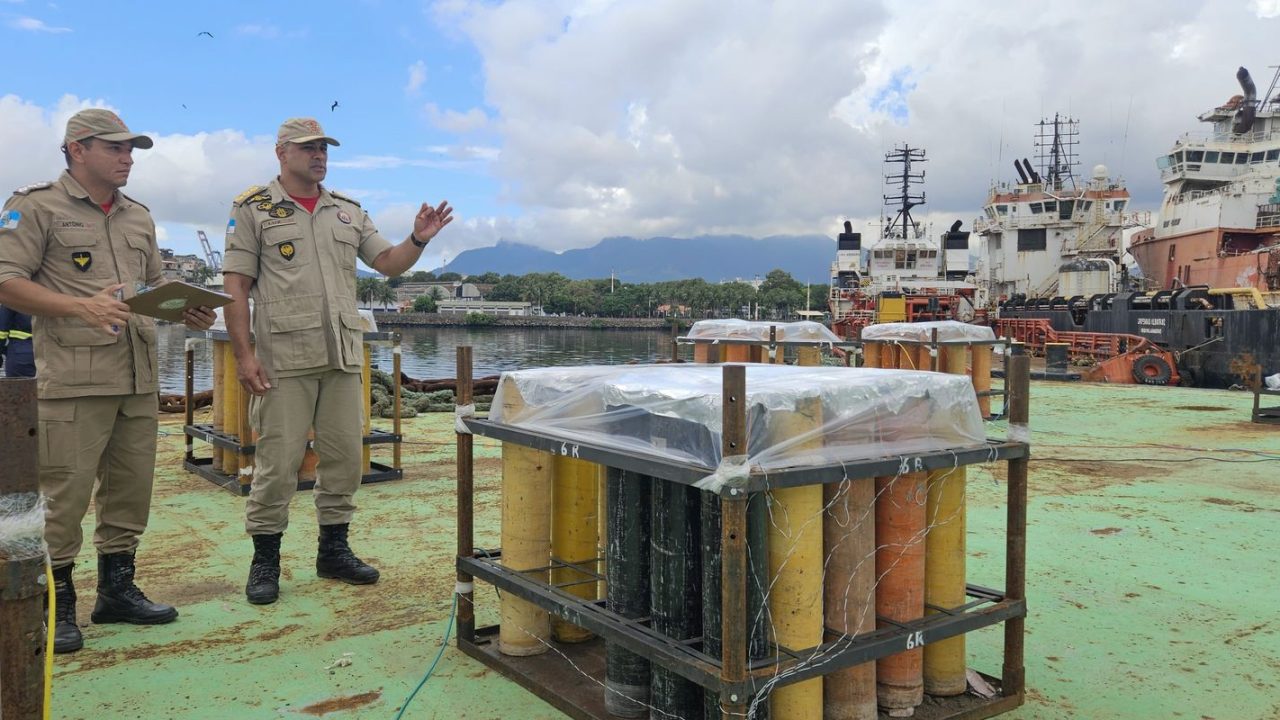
(711, 257)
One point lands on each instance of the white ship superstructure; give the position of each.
(1048, 235)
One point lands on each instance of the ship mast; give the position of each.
(905, 199)
(1055, 143)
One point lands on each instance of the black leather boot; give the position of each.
(335, 559)
(120, 601)
(66, 634)
(263, 587)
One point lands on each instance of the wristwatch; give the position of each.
(415, 242)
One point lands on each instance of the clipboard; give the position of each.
(168, 301)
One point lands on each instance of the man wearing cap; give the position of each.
(292, 246)
(70, 250)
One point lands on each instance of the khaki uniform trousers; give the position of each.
(329, 401)
(107, 438)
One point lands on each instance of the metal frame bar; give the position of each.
(690, 473)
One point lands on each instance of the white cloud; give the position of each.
(687, 117)
(31, 24)
(450, 156)
(187, 181)
(417, 76)
(454, 121)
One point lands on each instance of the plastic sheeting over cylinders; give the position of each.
(526, 538)
(574, 527)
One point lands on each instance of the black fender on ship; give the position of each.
(1152, 370)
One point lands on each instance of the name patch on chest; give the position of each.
(266, 224)
(68, 224)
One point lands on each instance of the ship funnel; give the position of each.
(1022, 175)
(1035, 176)
(1243, 121)
(955, 252)
(848, 226)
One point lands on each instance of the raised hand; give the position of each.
(430, 220)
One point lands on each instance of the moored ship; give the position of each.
(905, 276)
(1048, 234)
(1220, 218)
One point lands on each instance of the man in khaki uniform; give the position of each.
(70, 250)
(292, 246)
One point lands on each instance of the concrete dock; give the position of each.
(1154, 524)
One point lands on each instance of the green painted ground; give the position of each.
(1152, 584)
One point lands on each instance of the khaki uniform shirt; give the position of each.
(304, 264)
(56, 236)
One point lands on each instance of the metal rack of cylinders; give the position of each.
(686, 607)
(231, 440)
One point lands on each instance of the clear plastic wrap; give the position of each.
(796, 416)
(758, 331)
(948, 331)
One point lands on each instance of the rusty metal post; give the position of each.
(396, 406)
(733, 541)
(22, 580)
(191, 400)
(1018, 384)
(466, 517)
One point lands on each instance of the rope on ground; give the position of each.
(453, 613)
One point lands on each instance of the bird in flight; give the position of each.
(334, 106)
(205, 32)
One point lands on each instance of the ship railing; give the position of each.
(1268, 216)
(1197, 138)
(1190, 195)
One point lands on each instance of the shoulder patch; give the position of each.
(32, 187)
(135, 202)
(340, 196)
(242, 197)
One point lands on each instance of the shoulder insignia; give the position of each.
(32, 187)
(248, 194)
(340, 196)
(135, 202)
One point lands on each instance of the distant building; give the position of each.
(755, 282)
(406, 293)
(488, 307)
(188, 268)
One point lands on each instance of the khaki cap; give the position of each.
(99, 123)
(301, 130)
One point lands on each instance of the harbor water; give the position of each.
(429, 352)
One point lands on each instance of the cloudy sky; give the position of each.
(559, 122)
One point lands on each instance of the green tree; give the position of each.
(425, 304)
(421, 276)
(781, 293)
(445, 276)
(489, 278)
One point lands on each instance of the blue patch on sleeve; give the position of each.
(9, 220)
(231, 226)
